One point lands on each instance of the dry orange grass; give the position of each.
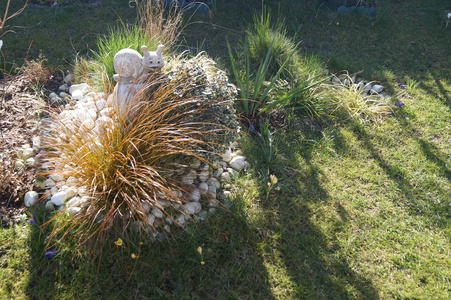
(127, 164)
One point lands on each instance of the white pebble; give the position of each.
(238, 163)
(69, 78)
(63, 87)
(59, 198)
(54, 190)
(73, 210)
(49, 205)
(77, 95)
(31, 198)
(64, 95)
(19, 165)
(71, 192)
(49, 183)
(227, 156)
(30, 162)
(27, 153)
(75, 201)
(72, 181)
(56, 177)
(100, 104)
(225, 176)
(36, 143)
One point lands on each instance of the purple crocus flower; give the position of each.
(402, 86)
(252, 128)
(33, 220)
(399, 104)
(50, 254)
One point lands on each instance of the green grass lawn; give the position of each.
(364, 210)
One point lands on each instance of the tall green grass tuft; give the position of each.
(283, 80)
(156, 25)
(263, 36)
(127, 164)
(130, 36)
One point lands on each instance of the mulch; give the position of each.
(20, 113)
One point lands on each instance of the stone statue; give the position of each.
(132, 71)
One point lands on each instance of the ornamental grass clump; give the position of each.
(352, 99)
(271, 74)
(129, 167)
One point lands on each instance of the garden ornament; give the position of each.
(131, 66)
(132, 71)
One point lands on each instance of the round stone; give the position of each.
(203, 188)
(73, 210)
(27, 153)
(203, 176)
(31, 198)
(49, 183)
(59, 198)
(238, 163)
(19, 165)
(30, 162)
(157, 213)
(193, 208)
(195, 195)
(56, 177)
(49, 205)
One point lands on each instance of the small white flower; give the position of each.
(449, 17)
(1, 44)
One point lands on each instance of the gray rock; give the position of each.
(203, 176)
(213, 181)
(69, 78)
(195, 195)
(31, 198)
(203, 188)
(193, 208)
(232, 172)
(157, 213)
(181, 220)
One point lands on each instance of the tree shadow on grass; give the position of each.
(415, 199)
(298, 247)
(170, 269)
